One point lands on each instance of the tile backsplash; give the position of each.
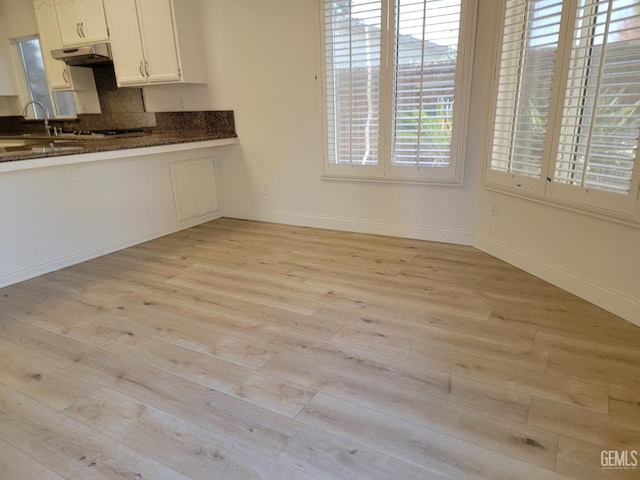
(114, 99)
(124, 109)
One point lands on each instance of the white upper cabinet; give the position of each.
(81, 22)
(59, 75)
(155, 41)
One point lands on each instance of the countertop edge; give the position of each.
(116, 153)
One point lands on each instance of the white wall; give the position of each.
(261, 63)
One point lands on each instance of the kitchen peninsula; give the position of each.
(61, 206)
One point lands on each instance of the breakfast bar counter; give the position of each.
(72, 201)
(67, 150)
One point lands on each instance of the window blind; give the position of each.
(426, 43)
(392, 69)
(353, 45)
(601, 116)
(527, 64)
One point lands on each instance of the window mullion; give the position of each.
(387, 62)
(350, 83)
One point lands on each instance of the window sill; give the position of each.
(601, 214)
(391, 180)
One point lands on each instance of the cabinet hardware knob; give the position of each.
(78, 30)
(146, 67)
(141, 70)
(65, 76)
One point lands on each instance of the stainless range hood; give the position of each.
(84, 56)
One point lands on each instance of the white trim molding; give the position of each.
(59, 263)
(417, 232)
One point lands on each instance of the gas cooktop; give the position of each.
(99, 134)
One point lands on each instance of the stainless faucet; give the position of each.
(44, 113)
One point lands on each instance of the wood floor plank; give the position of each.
(382, 383)
(227, 344)
(423, 448)
(579, 320)
(242, 349)
(58, 442)
(595, 362)
(597, 428)
(240, 382)
(270, 290)
(557, 387)
(331, 457)
(594, 349)
(121, 462)
(513, 349)
(438, 402)
(69, 317)
(259, 428)
(412, 324)
(15, 464)
(50, 347)
(40, 380)
(183, 446)
(582, 460)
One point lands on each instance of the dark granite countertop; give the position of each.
(66, 146)
(158, 129)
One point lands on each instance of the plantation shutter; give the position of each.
(525, 79)
(353, 47)
(424, 81)
(601, 116)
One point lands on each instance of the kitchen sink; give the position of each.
(42, 147)
(55, 148)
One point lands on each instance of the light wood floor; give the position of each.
(238, 350)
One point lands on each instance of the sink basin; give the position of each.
(42, 147)
(55, 148)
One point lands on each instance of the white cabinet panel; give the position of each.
(194, 187)
(126, 45)
(155, 41)
(81, 22)
(158, 40)
(60, 76)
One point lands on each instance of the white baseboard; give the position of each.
(621, 305)
(434, 234)
(57, 264)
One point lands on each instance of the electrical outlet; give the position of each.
(494, 208)
(265, 189)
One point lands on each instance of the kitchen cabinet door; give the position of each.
(61, 77)
(155, 41)
(81, 22)
(158, 40)
(93, 23)
(57, 72)
(126, 44)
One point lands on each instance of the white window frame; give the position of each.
(384, 171)
(578, 198)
